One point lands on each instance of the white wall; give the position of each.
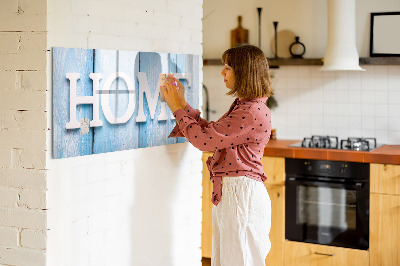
(23, 133)
(135, 207)
(311, 102)
(304, 18)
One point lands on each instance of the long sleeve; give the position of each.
(193, 113)
(231, 130)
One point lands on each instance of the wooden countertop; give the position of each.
(389, 154)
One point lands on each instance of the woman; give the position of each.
(242, 208)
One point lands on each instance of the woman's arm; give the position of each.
(174, 93)
(239, 127)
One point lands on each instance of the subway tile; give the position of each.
(355, 109)
(381, 97)
(394, 110)
(304, 108)
(316, 82)
(354, 75)
(380, 71)
(355, 96)
(342, 96)
(329, 109)
(367, 133)
(329, 122)
(355, 122)
(394, 97)
(342, 122)
(317, 107)
(317, 120)
(342, 109)
(305, 95)
(316, 72)
(369, 70)
(355, 132)
(394, 123)
(329, 94)
(317, 95)
(303, 82)
(394, 137)
(367, 110)
(304, 72)
(381, 110)
(291, 71)
(382, 123)
(292, 82)
(342, 133)
(279, 72)
(380, 84)
(394, 83)
(317, 131)
(354, 82)
(382, 136)
(367, 96)
(328, 74)
(367, 122)
(394, 70)
(293, 120)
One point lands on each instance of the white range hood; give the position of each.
(341, 51)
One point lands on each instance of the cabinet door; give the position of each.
(384, 230)
(277, 233)
(385, 178)
(274, 168)
(304, 254)
(206, 232)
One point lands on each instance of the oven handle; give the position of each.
(324, 254)
(357, 185)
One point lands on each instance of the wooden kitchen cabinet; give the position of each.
(206, 232)
(277, 233)
(305, 254)
(274, 168)
(385, 178)
(384, 236)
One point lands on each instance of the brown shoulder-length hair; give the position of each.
(250, 66)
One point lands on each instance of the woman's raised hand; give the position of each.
(173, 94)
(181, 90)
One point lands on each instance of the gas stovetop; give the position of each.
(332, 142)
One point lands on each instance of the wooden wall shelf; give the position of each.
(380, 61)
(273, 63)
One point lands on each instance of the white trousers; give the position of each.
(241, 223)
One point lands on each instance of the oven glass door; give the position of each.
(326, 213)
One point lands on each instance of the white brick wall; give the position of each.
(135, 207)
(23, 128)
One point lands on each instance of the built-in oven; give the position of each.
(327, 202)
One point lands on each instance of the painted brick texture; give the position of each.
(100, 195)
(123, 208)
(23, 132)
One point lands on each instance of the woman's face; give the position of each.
(229, 76)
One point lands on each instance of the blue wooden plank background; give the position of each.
(70, 143)
(114, 137)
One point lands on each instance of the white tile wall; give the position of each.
(313, 102)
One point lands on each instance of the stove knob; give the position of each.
(308, 166)
(343, 168)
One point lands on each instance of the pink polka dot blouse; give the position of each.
(238, 139)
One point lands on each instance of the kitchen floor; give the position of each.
(206, 261)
